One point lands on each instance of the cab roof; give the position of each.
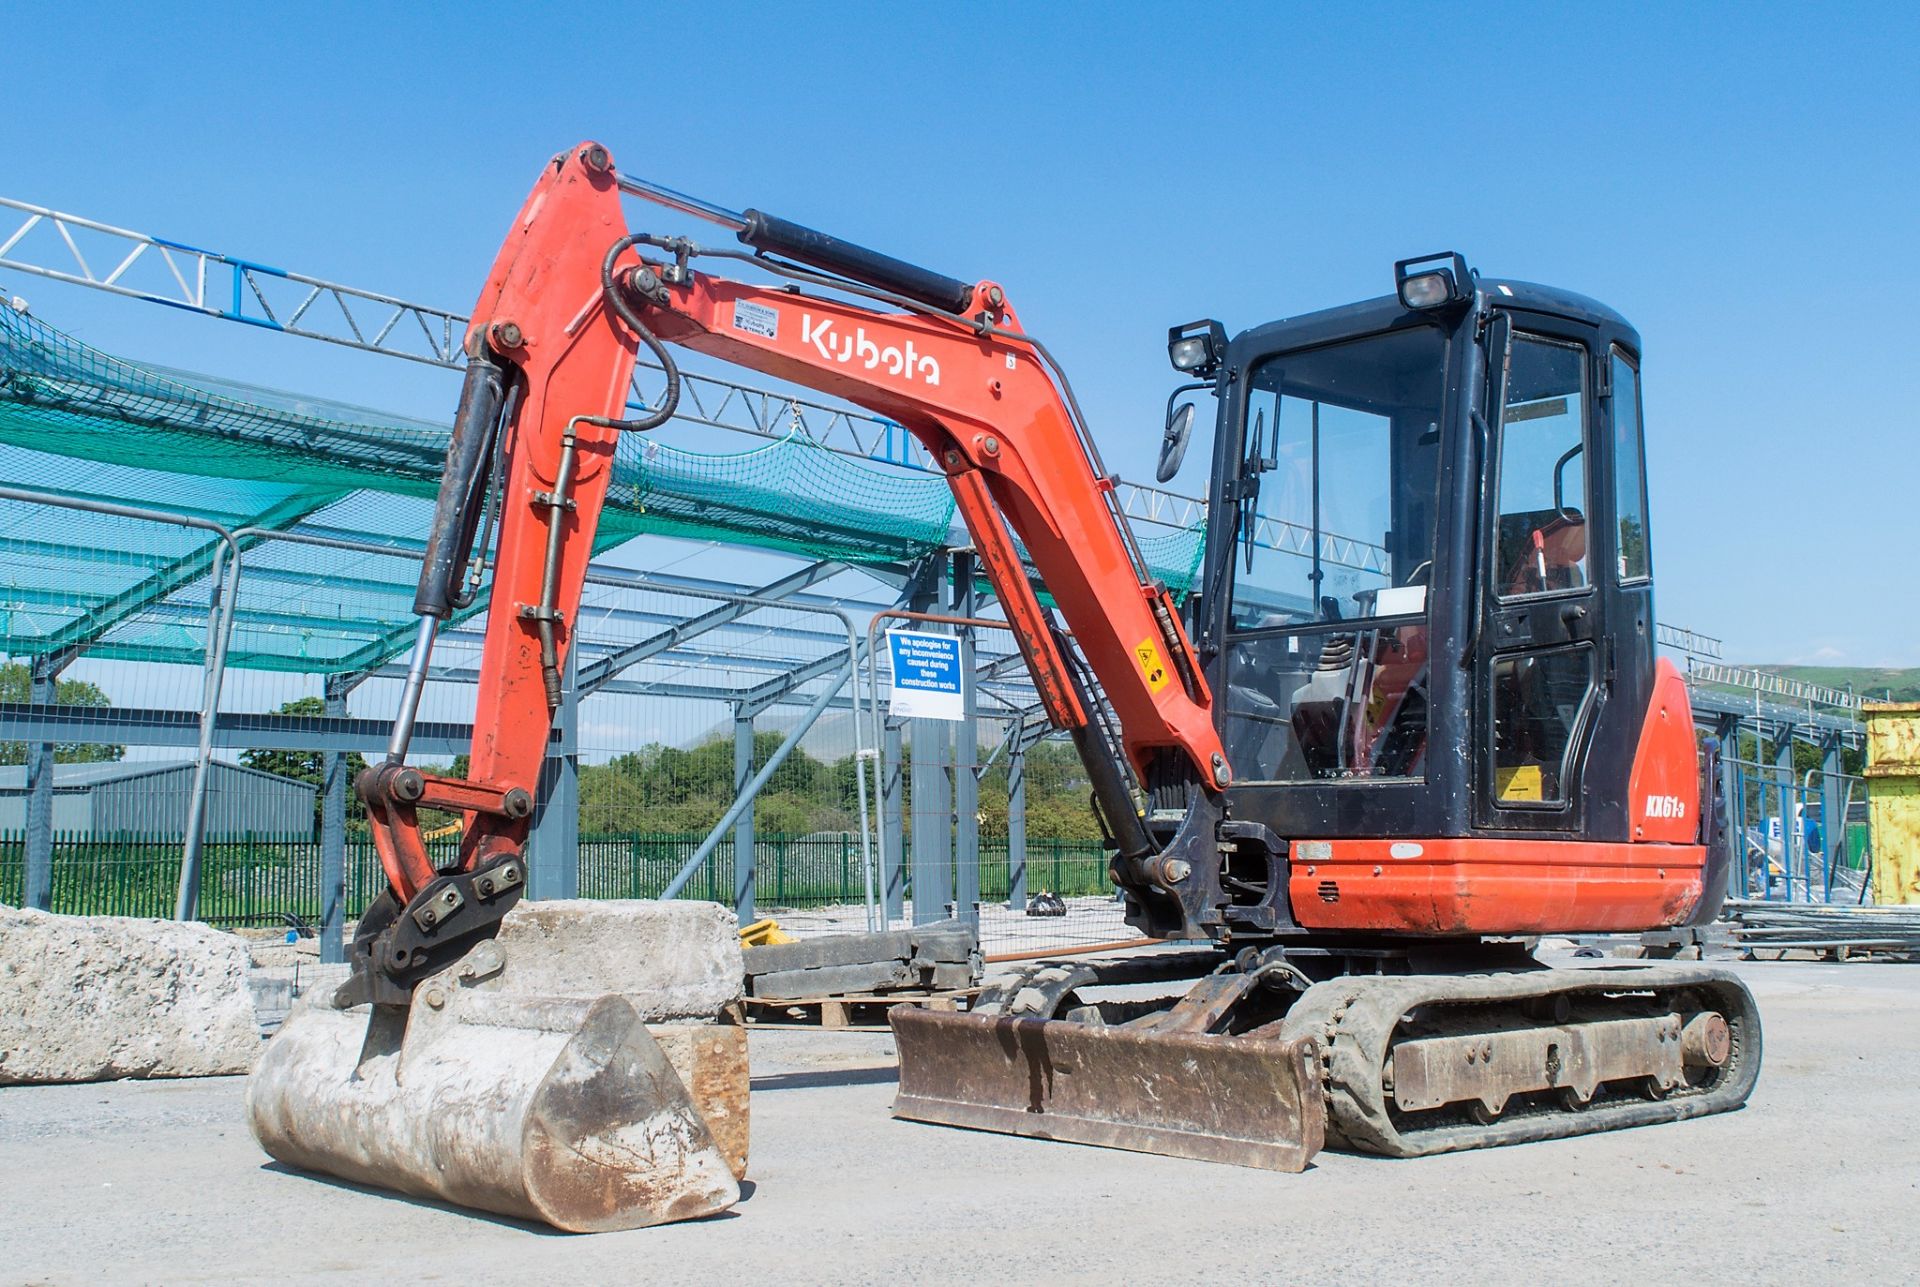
(1386, 312)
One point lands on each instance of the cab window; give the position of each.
(1629, 471)
(1542, 534)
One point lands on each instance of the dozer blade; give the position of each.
(563, 1110)
(1214, 1099)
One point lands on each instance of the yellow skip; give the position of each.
(764, 933)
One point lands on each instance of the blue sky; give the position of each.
(1740, 182)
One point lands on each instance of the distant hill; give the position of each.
(1868, 681)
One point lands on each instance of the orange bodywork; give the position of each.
(1476, 885)
(572, 359)
(1663, 793)
(987, 410)
(1492, 886)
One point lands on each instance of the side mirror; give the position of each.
(1173, 444)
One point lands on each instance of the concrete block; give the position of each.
(670, 960)
(711, 1059)
(836, 980)
(945, 954)
(92, 998)
(829, 949)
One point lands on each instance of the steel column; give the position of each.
(333, 836)
(893, 828)
(1734, 804)
(1833, 819)
(43, 689)
(553, 847)
(932, 821)
(224, 591)
(1790, 841)
(1016, 823)
(743, 848)
(966, 760)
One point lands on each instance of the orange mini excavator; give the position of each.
(1410, 718)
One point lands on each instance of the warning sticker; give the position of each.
(1518, 782)
(756, 319)
(1152, 665)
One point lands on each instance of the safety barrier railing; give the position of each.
(1791, 842)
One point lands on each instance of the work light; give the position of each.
(1423, 287)
(1197, 347)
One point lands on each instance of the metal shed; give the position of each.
(147, 799)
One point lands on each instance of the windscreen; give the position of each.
(1345, 443)
(1327, 650)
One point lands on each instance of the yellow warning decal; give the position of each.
(1152, 665)
(1520, 782)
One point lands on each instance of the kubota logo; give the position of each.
(858, 349)
(1665, 806)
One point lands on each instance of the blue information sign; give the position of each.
(926, 675)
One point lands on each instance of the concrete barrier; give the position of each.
(95, 998)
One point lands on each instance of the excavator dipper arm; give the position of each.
(528, 468)
(551, 353)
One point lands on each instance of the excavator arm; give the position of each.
(551, 348)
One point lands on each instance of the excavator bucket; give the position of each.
(562, 1109)
(1241, 1100)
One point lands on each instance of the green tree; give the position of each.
(16, 685)
(305, 766)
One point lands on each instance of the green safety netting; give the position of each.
(78, 422)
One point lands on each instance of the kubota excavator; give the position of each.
(1410, 718)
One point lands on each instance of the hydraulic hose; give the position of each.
(617, 301)
(546, 615)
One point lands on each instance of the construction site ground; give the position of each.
(1817, 1180)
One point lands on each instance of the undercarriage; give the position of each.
(1420, 1052)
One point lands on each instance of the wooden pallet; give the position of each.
(845, 1013)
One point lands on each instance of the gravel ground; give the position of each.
(1818, 1179)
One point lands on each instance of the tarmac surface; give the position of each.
(1817, 1180)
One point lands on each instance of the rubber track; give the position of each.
(1354, 1019)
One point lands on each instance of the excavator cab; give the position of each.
(1426, 613)
(1427, 601)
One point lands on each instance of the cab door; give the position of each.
(1541, 665)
